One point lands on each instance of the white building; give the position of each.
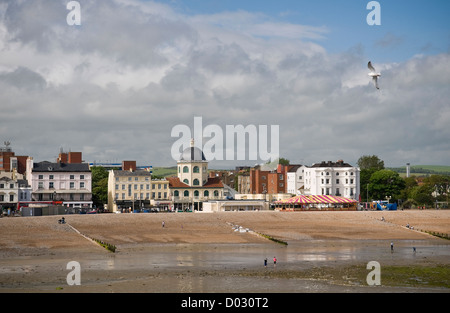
(332, 178)
(13, 190)
(295, 180)
(69, 183)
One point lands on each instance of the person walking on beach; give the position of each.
(274, 261)
(265, 262)
(163, 224)
(392, 246)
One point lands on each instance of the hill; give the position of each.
(424, 170)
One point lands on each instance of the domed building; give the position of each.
(193, 186)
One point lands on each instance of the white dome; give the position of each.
(192, 154)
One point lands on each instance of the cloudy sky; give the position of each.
(115, 86)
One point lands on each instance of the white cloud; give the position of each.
(115, 86)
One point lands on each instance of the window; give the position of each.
(165, 195)
(196, 182)
(176, 193)
(50, 176)
(50, 185)
(123, 186)
(337, 180)
(185, 169)
(81, 176)
(186, 181)
(206, 193)
(11, 198)
(41, 176)
(41, 185)
(72, 185)
(196, 193)
(82, 185)
(186, 193)
(72, 176)
(196, 169)
(216, 193)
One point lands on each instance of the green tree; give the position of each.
(410, 184)
(370, 162)
(422, 195)
(99, 186)
(368, 165)
(386, 183)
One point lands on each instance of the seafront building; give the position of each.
(332, 178)
(67, 184)
(131, 190)
(13, 190)
(193, 186)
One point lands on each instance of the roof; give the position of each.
(192, 154)
(213, 182)
(132, 173)
(60, 167)
(339, 163)
(317, 199)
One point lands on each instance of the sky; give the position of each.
(116, 86)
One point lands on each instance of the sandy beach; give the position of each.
(203, 252)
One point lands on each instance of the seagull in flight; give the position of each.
(373, 74)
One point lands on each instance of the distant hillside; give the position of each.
(424, 170)
(165, 171)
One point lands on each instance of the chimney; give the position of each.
(62, 158)
(75, 158)
(129, 166)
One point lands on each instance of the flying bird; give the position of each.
(373, 74)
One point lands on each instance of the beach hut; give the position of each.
(316, 203)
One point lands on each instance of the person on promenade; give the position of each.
(274, 261)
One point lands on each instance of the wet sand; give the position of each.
(203, 253)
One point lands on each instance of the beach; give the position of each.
(224, 252)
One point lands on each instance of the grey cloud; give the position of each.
(187, 71)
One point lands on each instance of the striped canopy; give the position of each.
(302, 199)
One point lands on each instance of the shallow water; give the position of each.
(300, 254)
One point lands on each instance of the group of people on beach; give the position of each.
(274, 262)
